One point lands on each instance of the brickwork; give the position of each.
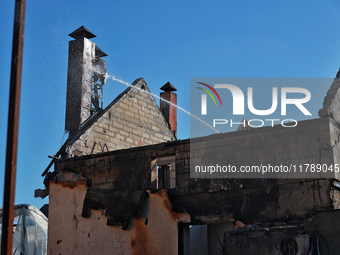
(133, 120)
(169, 111)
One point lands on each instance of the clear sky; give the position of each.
(161, 41)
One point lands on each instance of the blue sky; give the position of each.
(161, 41)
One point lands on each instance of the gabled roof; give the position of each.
(139, 84)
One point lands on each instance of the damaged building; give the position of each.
(121, 182)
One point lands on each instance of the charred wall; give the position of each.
(152, 230)
(248, 200)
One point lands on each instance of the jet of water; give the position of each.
(178, 107)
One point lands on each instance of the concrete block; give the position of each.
(124, 133)
(118, 138)
(124, 105)
(130, 114)
(117, 125)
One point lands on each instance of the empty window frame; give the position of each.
(163, 173)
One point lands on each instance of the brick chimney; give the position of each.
(169, 111)
(85, 79)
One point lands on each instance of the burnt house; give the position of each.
(122, 182)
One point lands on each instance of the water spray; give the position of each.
(149, 93)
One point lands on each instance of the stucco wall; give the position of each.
(155, 232)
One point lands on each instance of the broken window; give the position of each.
(163, 173)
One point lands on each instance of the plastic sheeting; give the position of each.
(30, 231)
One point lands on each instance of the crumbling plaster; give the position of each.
(155, 232)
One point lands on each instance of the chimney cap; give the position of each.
(100, 53)
(168, 87)
(82, 32)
